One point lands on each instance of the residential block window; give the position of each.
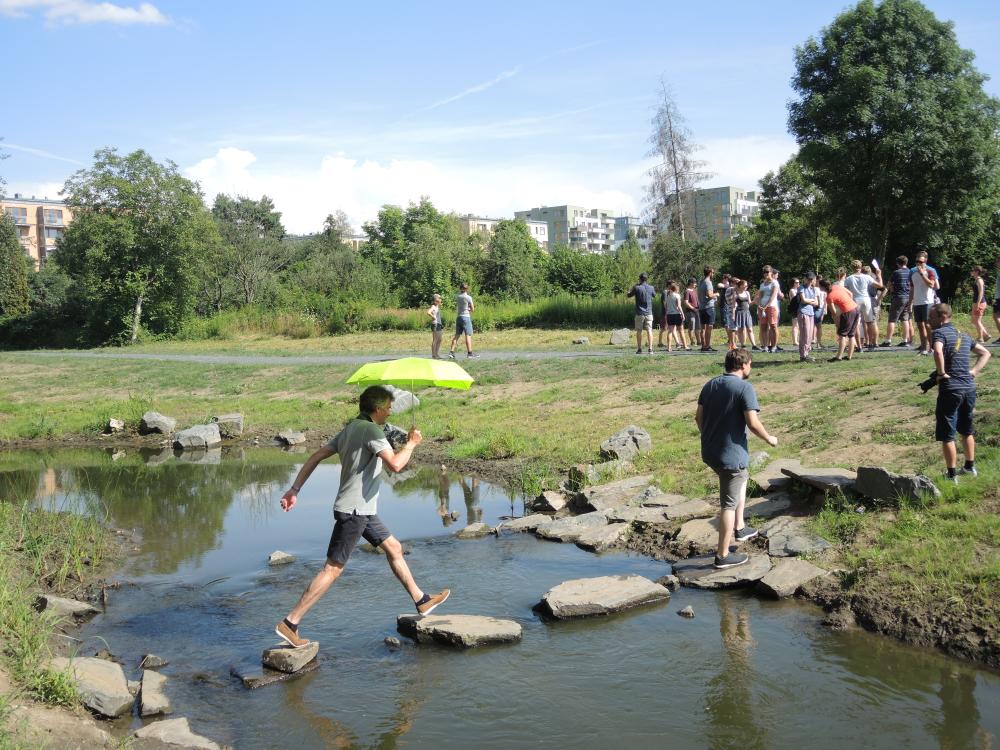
(18, 213)
(52, 233)
(53, 217)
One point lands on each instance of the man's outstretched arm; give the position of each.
(289, 499)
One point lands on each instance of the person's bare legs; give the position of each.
(394, 554)
(468, 343)
(950, 454)
(727, 519)
(969, 447)
(317, 587)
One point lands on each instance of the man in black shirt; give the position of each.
(899, 303)
(956, 400)
(644, 294)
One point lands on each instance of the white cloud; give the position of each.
(40, 152)
(85, 11)
(743, 161)
(35, 190)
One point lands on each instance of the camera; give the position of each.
(932, 380)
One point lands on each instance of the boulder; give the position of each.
(626, 444)
(620, 337)
(461, 631)
(114, 425)
(582, 475)
(583, 340)
(392, 643)
(824, 480)
(586, 597)
(599, 538)
(397, 438)
(290, 437)
(153, 421)
(671, 582)
(280, 558)
(612, 495)
(255, 675)
(474, 531)
(699, 535)
(286, 659)
(569, 529)
(700, 572)
(768, 506)
(882, 484)
(199, 436)
(230, 425)
(549, 500)
(152, 661)
(525, 523)
(101, 684)
(173, 733)
(152, 699)
(402, 401)
(787, 575)
(788, 537)
(771, 476)
(61, 607)
(688, 612)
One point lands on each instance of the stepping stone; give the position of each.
(254, 676)
(788, 574)
(789, 537)
(587, 597)
(290, 437)
(664, 500)
(230, 425)
(284, 658)
(152, 698)
(474, 531)
(172, 733)
(824, 480)
(599, 538)
(280, 558)
(153, 421)
(526, 523)
(611, 495)
(550, 501)
(101, 684)
(768, 506)
(690, 509)
(699, 535)
(640, 516)
(881, 484)
(61, 607)
(700, 573)
(461, 631)
(670, 582)
(569, 529)
(152, 661)
(771, 476)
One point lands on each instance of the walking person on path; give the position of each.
(956, 400)
(437, 327)
(899, 304)
(706, 308)
(464, 307)
(363, 450)
(841, 305)
(978, 305)
(727, 407)
(924, 283)
(808, 303)
(644, 293)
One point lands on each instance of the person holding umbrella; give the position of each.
(363, 451)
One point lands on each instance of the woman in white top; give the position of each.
(674, 318)
(434, 312)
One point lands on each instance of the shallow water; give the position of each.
(745, 672)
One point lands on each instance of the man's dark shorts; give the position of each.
(954, 414)
(463, 324)
(899, 310)
(848, 322)
(920, 313)
(707, 316)
(348, 529)
(732, 486)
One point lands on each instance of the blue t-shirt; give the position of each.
(724, 400)
(643, 294)
(901, 284)
(957, 350)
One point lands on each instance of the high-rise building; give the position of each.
(39, 224)
(591, 229)
(714, 213)
(644, 233)
(470, 224)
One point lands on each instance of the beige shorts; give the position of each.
(644, 321)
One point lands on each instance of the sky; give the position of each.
(484, 108)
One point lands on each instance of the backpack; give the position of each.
(793, 306)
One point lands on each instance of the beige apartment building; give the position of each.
(39, 223)
(470, 224)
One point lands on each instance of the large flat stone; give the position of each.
(569, 529)
(284, 658)
(690, 509)
(663, 500)
(199, 436)
(61, 607)
(290, 437)
(825, 480)
(101, 684)
(599, 538)
(474, 531)
(230, 425)
(768, 506)
(174, 733)
(788, 536)
(640, 516)
(550, 500)
(771, 476)
(462, 631)
(526, 523)
(254, 676)
(611, 495)
(699, 535)
(587, 597)
(787, 575)
(700, 573)
(153, 699)
(153, 421)
(882, 484)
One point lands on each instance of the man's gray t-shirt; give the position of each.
(358, 446)
(644, 294)
(704, 289)
(463, 305)
(723, 400)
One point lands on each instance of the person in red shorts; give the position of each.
(841, 304)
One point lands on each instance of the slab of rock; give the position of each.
(152, 661)
(173, 733)
(758, 460)
(230, 425)
(290, 437)
(581, 340)
(254, 676)
(61, 607)
(700, 573)
(882, 484)
(526, 523)
(626, 444)
(788, 537)
(461, 631)
(152, 698)
(154, 422)
(620, 337)
(824, 480)
(611, 495)
(114, 425)
(640, 516)
(474, 531)
(599, 538)
(768, 506)
(688, 612)
(199, 436)
(402, 401)
(771, 476)
(663, 500)
(284, 658)
(569, 529)
(279, 557)
(550, 500)
(587, 597)
(671, 582)
(101, 684)
(690, 509)
(699, 535)
(787, 575)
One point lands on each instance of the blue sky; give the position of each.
(485, 108)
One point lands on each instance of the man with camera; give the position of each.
(956, 382)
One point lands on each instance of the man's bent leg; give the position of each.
(969, 447)
(394, 554)
(950, 453)
(319, 585)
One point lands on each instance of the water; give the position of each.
(745, 672)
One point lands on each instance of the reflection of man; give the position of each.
(363, 449)
(473, 512)
(444, 487)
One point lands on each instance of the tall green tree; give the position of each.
(14, 294)
(515, 266)
(252, 253)
(897, 131)
(578, 272)
(133, 246)
(626, 263)
(676, 260)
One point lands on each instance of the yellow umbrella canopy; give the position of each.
(413, 372)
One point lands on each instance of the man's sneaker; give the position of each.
(472, 355)
(756, 348)
(429, 603)
(904, 344)
(639, 350)
(289, 636)
(747, 532)
(451, 355)
(925, 352)
(953, 480)
(885, 344)
(835, 359)
(971, 472)
(731, 560)
(777, 349)
(807, 359)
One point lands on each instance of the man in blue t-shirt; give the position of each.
(956, 401)
(728, 406)
(899, 303)
(644, 294)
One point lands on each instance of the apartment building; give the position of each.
(644, 232)
(39, 224)
(590, 229)
(716, 213)
(471, 224)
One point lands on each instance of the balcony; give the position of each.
(20, 220)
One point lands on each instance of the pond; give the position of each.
(745, 672)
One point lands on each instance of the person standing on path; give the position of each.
(727, 407)
(674, 318)
(767, 310)
(841, 304)
(808, 303)
(644, 293)
(437, 327)
(464, 307)
(820, 312)
(742, 319)
(924, 283)
(692, 321)
(996, 302)
(899, 303)
(363, 450)
(956, 401)
(706, 308)
(978, 305)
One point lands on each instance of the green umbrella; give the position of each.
(413, 372)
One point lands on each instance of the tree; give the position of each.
(514, 267)
(578, 272)
(137, 233)
(251, 232)
(675, 260)
(676, 171)
(626, 263)
(897, 132)
(337, 225)
(13, 272)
